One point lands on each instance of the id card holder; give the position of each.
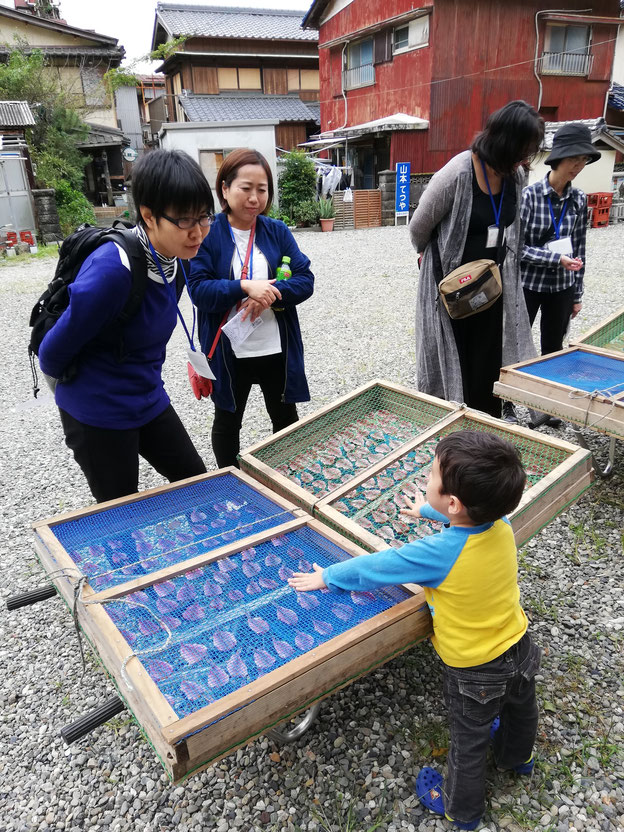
(561, 246)
(199, 363)
(492, 236)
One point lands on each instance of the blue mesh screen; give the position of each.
(206, 633)
(582, 371)
(117, 544)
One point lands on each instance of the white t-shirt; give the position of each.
(265, 339)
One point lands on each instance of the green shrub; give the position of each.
(276, 214)
(306, 212)
(73, 208)
(297, 181)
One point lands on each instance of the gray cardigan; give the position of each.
(446, 204)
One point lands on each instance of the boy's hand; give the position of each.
(412, 508)
(307, 581)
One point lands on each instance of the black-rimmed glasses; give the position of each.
(186, 223)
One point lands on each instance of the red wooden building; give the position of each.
(427, 73)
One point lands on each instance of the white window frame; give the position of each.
(418, 34)
(359, 76)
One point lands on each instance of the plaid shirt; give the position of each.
(539, 266)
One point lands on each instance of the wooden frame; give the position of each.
(588, 338)
(540, 503)
(58, 563)
(598, 412)
(291, 490)
(187, 744)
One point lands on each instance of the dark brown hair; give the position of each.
(511, 134)
(230, 166)
(483, 471)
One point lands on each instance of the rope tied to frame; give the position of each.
(608, 393)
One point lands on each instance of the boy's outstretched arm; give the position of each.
(307, 581)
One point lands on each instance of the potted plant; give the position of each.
(327, 214)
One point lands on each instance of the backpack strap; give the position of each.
(131, 244)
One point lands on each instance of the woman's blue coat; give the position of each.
(214, 291)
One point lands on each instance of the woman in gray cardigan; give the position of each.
(465, 202)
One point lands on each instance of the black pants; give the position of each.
(110, 458)
(556, 312)
(474, 697)
(268, 372)
(479, 342)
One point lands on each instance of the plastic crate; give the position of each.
(600, 199)
(600, 217)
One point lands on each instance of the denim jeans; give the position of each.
(474, 696)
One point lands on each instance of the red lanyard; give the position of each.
(244, 272)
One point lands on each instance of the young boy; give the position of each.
(469, 574)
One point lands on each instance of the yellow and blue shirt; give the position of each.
(470, 579)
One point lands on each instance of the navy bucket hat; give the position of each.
(572, 140)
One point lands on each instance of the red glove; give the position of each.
(202, 387)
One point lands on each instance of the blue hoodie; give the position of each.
(214, 291)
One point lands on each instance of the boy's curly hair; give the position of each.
(482, 470)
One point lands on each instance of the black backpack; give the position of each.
(53, 302)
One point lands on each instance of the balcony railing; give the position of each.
(359, 76)
(566, 63)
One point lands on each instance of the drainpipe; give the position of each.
(344, 97)
(535, 60)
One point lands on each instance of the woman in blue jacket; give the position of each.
(243, 241)
(115, 408)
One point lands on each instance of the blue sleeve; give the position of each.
(300, 285)
(431, 514)
(96, 297)
(209, 291)
(426, 561)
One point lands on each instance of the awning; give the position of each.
(589, 19)
(319, 144)
(388, 124)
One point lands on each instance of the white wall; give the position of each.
(594, 177)
(618, 59)
(195, 136)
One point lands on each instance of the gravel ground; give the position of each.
(354, 771)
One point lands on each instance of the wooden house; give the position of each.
(409, 81)
(240, 63)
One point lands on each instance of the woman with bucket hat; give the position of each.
(554, 214)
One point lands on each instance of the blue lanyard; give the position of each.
(561, 216)
(500, 204)
(242, 262)
(170, 287)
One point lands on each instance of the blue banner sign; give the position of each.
(402, 187)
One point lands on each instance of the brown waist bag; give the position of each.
(471, 288)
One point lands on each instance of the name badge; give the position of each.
(199, 363)
(561, 246)
(492, 236)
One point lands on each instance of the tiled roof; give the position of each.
(234, 22)
(16, 114)
(616, 97)
(102, 136)
(595, 125)
(246, 108)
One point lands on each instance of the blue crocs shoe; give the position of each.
(523, 768)
(429, 792)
